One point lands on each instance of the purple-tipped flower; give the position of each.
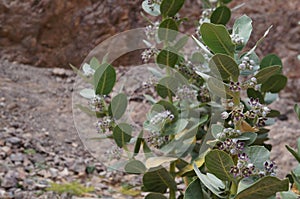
(224, 115)
(243, 156)
(237, 115)
(235, 171)
(235, 86)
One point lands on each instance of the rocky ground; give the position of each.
(39, 144)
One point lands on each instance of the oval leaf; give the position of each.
(167, 58)
(225, 66)
(274, 84)
(169, 8)
(194, 190)
(264, 188)
(221, 15)
(219, 163)
(264, 74)
(87, 93)
(158, 161)
(243, 28)
(168, 30)
(297, 110)
(218, 88)
(258, 155)
(135, 166)
(167, 86)
(122, 134)
(270, 60)
(104, 79)
(118, 106)
(158, 181)
(217, 38)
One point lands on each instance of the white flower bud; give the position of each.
(224, 115)
(253, 79)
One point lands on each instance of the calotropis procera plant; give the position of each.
(209, 107)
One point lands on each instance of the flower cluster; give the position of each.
(149, 83)
(251, 83)
(162, 117)
(236, 39)
(115, 153)
(156, 140)
(244, 168)
(147, 54)
(203, 94)
(186, 93)
(104, 124)
(233, 146)
(206, 15)
(247, 64)
(257, 110)
(228, 133)
(96, 103)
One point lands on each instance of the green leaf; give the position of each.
(167, 30)
(94, 63)
(221, 15)
(270, 97)
(297, 110)
(211, 182)
(293, 152)
(158, 181)
(87, 93)
(264, 188)
(135, 167)
(258, 155)
(270, 60)
(243, 28)
(215, 129)
(176, 127)
(288, 195)
(218, 88)
(219, 163)
(194, 190)
(225, 66)
(118, 106)
(104, 79)
(169, 8)
(273, 113)
(166, 58)
(138, 143)
(274, 84)
(155, 196)
(122, 134)
(147, 8)
(264, 74)
(217, 38)
(226, 1)
(255, 94)
(181, 43)
(167, 86)
(153, 162)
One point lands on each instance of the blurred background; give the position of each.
(40, 38)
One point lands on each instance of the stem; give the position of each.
(172, 171)
(233, 188)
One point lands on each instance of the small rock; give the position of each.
(64, 172)
(54, 172)
(16, 157)
(13, 140)
(6, 149)
(10, 179)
